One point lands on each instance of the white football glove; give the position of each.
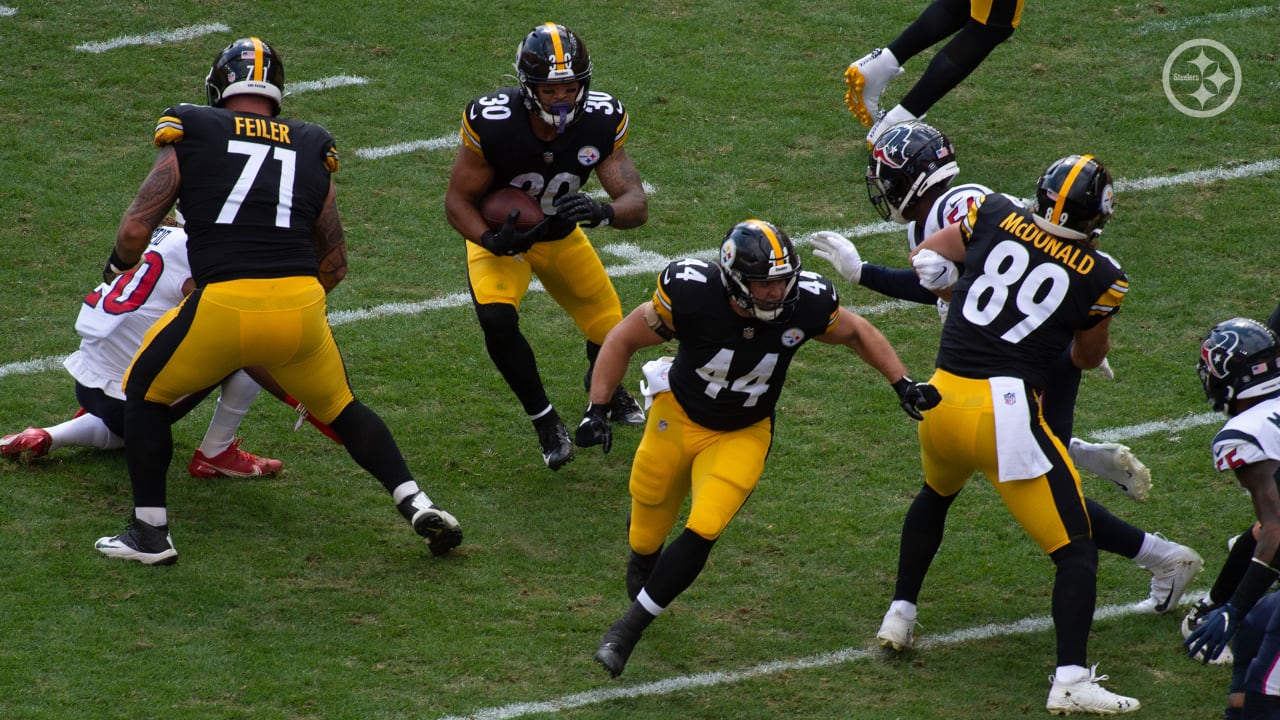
(935, 272)
(837, 250)
(1105, 369)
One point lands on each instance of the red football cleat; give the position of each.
(232, 462)
(33, 441)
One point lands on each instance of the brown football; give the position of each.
(497, 205)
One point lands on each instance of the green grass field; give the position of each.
(306, 596)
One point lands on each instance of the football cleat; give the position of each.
(616, 646)
(557, 448)
(886, 120)
(439, 528)
(1170, 577)
(33, 442)
(1087, 696)
(147, 544)
(624, 410)
(865, 80)
(232, 462)
(1115, 463)
(896, 632)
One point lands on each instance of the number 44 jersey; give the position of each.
(1023, 295)
(729, 369)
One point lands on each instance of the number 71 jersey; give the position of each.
(1023, 295)
(729, 369)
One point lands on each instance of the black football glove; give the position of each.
(594, 428)
(509, 241)
(115, 267)
(583, 209)
(915, 397)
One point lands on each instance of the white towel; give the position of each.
(1017, 453)
(655, 379)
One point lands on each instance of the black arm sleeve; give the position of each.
(900, 283)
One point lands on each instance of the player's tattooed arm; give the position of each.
(330, 243)
(155, 198)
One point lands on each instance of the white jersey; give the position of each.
(116, 315)
(1248, 438)
(948, 209)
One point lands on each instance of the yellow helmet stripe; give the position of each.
(779, 257)
(561, 63)
(259, 72)
(1066, 188)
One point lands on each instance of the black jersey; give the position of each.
(1023, 295)
(252, 188)
(497, 126)
(729, 369)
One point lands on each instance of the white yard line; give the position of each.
(155, 38)
(683, 683)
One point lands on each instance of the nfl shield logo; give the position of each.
(1010, 399)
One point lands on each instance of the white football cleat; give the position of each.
(896, 631)
(1171, 576)
(865, 80)
(1113, 462)
(1087, 696)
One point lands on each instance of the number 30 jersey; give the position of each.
(1023, 295)
(496, 127)
(252, 188)
(729, 369)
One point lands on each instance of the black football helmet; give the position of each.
(1239, 359)
(756, 250)
(907, 160)
(552, 53)
(1075, 193)
(248, 66)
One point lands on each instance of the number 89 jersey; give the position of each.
(729, 369)
(1023, 295)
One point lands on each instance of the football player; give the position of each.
(909, 181)
(266, 245)
(1033, 286)
(112, 321)
(1240, 549)
(975, 27)
(1239, 368)
(738, 323)
(546, 137)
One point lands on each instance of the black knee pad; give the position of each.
(1080, 553)
(498, 319)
